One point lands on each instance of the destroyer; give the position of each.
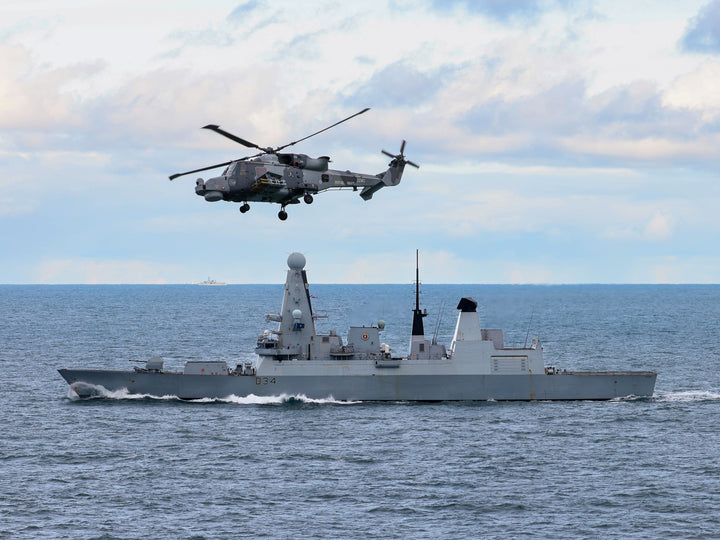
(294, 360)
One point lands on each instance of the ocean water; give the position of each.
(128, 466)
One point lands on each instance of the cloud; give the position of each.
(556, 211)
(626, 124)
(32, 96)
(667, 269)
(696, 90)
(93, 272)
(437, 266)
(14, 206)
(703, 31)
(499, 10)
(401, 85)
(533, 274)
(660, 226)
(560, 109)
(243, 10)
(632, 222)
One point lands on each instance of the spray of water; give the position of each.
(100, 392)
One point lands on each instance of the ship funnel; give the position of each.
(468, 322)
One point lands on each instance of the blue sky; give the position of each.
(559, 142)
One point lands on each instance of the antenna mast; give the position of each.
(417, 280)
(417, 326)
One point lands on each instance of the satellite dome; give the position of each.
(296, 261)
(297, 314)
(381, 324)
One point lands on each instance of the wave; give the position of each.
(252, 399)
(687, 396)
(100, 392)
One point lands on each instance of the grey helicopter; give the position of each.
(272, 176)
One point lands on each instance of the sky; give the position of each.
(558, 142)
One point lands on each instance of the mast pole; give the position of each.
(417, 280)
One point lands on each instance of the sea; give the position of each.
(125, 466)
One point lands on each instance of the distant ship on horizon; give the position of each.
(210, 282)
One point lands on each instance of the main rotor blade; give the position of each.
(263, 153)
(174, 176)
(318, 132)
(388, 153)
(413, 164)
(232, 137)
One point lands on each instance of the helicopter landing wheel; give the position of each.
(308, 198)
(244, 208)
(282, 214)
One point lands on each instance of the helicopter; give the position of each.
(272, 176)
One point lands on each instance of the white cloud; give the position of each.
(675, 269)
(696, 90)
(641, 222)
(648, 149)
(90, 271)
(505, 169)
(660, 226)
(531, 274)
(13, 206)
(395, 267)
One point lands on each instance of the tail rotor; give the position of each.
(399, 159)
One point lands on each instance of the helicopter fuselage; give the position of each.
(286, 178)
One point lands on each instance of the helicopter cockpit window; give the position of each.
(230, 169)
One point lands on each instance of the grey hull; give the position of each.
(376, 387)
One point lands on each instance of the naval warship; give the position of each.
(293, 360)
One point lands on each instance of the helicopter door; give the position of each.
(293, 177)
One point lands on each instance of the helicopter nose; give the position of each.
(213, 189)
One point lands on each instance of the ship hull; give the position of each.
(370, 387)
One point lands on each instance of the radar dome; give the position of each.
(381, 324)
(296, 261)
(297, 314)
